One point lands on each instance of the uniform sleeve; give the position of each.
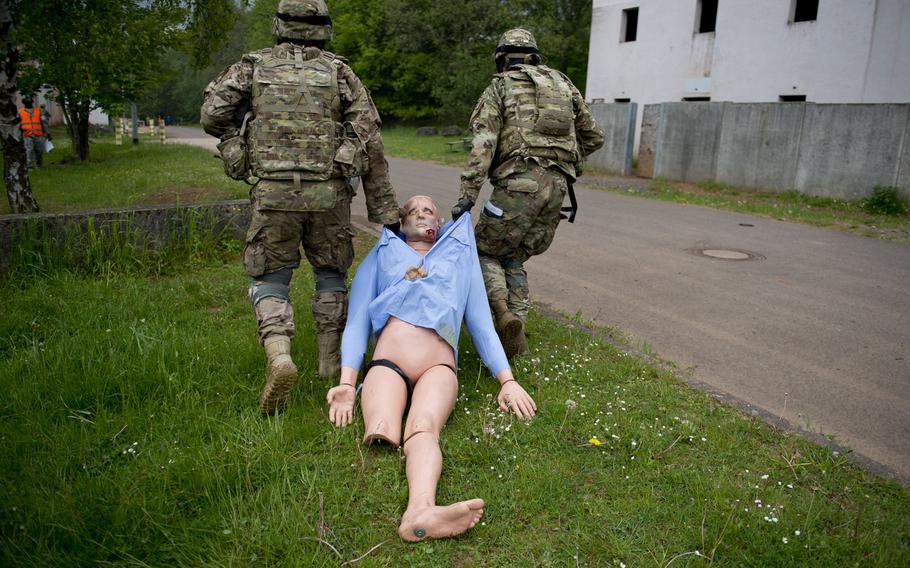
(590, 136)
(227, 99)
(359, 110)
(357, 329)
(486, 122)
(480, 322)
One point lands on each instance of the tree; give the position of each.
(15, 172)
(101, 53)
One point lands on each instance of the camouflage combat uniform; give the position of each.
(531, 131)
(308, 124)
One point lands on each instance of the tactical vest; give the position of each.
(31, 122)
(296, 127)
(539, 118)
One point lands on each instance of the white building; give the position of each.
(825, 51)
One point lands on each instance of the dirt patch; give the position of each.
(182, 195)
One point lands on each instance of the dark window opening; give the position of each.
(707, 17)
(793, 98)
(622, 100)
(805, 10)
(629, 24)
(696, 99)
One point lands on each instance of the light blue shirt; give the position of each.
(451, 291)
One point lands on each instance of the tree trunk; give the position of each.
(77, 112)
(15, 170)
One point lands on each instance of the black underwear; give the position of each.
(407, 380)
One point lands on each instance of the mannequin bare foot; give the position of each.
(440, 522)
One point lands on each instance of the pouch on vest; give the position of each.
(234, 152)
(554, 104)
(351, 156)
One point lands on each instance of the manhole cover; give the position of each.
(726, 254)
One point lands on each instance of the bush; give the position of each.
(885, 201)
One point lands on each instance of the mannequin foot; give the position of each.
(440, 522)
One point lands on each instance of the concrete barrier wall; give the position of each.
(151, 227)
(687, 140)
(846, 150)
(759, 145)
(832, 150)
(618, 123)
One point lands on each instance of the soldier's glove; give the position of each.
(394, 227)
(463, 206)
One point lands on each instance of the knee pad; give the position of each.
(516, 277)
(272, 285)
(329, 280)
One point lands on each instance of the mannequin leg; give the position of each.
(432, 402)
(383, 399)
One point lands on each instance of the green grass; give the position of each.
(403, 142)
(127, 175)
(129, 435)
(850, 216)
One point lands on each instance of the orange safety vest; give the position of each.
(31, 124)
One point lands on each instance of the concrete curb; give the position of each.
(150, 226)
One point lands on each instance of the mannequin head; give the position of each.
(419, 220)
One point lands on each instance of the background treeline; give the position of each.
(424, 61)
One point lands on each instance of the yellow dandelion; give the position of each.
(594, 442)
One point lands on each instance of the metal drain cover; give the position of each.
(726, 254)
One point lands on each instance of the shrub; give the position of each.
(885, 201)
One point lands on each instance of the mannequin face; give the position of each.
(420, 222)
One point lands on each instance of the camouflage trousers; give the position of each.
(530, 202)
(272, 252)
(34, 150)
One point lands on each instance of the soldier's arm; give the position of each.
(590, 135)
(227, 99)
(359, 110)
(486, 122)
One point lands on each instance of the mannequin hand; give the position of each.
(513, 397)
(341, 405)
(463, 206)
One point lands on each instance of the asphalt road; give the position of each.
(815, 329)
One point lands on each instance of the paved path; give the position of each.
(816, 332)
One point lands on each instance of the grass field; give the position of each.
(124, 176)
(129, 436)
(838, 214)
(403, 142)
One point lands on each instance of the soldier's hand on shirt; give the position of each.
(513, 397)
(341, 404)
(463, 206)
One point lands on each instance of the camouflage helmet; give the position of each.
(516, 40)
(303, 19)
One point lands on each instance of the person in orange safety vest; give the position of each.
(35, 132)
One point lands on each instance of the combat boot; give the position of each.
(280, 377)
(330, 311)
(329, 354)
(510, 330)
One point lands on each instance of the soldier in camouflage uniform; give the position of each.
(532, 131)
(297, 118)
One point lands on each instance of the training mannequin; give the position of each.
(412, 292)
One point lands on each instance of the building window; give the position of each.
(622, 100)
(707, 16)
(793, 98)
(629, 24)
(696, 99)
(804, 11)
